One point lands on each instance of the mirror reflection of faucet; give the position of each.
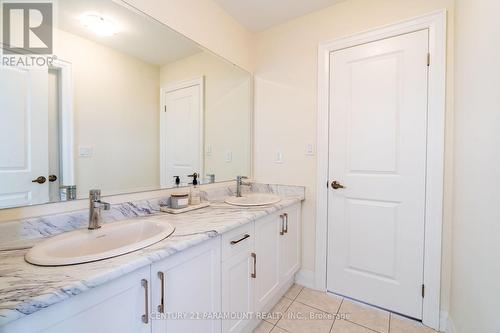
(239, 183)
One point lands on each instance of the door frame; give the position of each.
(435, 22)
(199, 81)
(67, 161)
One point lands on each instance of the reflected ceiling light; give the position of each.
(99, 25)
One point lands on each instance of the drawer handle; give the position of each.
(254, 274)
(286, 223)
(161, 307)
(282, 225)
(240, 240)
(145, 316)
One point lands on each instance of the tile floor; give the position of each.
(306, 310)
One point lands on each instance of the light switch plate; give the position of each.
(279, 158)
(85, 151)
(309, 149)
(229, 156)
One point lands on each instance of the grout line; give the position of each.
(315, 308)
(390, 317)
(336, 313)
(368, 328)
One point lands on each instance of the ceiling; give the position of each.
(258, 15)
(139, 36)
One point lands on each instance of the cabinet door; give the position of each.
(237, 291)
(290, 244)
(267, 256)
(118, 306)
(191, 291)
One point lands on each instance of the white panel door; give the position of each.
(181, 131)
(378, 121)
(23, 136)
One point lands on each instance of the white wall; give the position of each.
(228, 106)
(475, 297)
(286, 99)
(116, 103)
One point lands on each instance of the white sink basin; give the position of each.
(111, 240)
(256, 199)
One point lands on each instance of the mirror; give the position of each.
(123, 104)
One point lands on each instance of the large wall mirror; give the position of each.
(127, 106)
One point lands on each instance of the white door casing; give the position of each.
(436, 24)
(181, 131)
(378, 120)
(23, 136)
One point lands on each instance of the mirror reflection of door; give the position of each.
(181, 132)
(54, 117)
(23, 136)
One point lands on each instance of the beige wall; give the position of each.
(475, 297)
(286, 99)
(116, 103)
(228, 105)
(207, 24)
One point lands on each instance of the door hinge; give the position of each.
(423, 290)
(428, 59)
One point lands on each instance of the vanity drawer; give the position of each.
(238, 240)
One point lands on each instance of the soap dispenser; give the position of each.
(194, 192)
(177, 181)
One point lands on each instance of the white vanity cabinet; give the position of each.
(118, 306)
(186, 291)
(244, 271)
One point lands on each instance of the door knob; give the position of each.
(336, 185)
(52, 178)
(39, 180)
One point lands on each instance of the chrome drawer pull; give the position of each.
(240, 240)
(161, 307)
(145, 316)
(254, 274)
(286, 223)
(282, 225)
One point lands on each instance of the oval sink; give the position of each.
(257, 199)
(111, 240)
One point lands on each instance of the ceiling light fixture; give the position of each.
(99, 25)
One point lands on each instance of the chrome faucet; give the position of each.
(239, 183)
(96, 206)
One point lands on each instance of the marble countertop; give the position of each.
(25, 288)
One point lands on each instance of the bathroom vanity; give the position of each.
(222, 262)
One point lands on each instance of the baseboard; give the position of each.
(305, 278)
(443, 321)
(450, 327)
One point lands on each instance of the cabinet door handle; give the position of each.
(286, 223)
(254, 274)
(240, 240)
(282, 225)
(161, 307)
(145, 316)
